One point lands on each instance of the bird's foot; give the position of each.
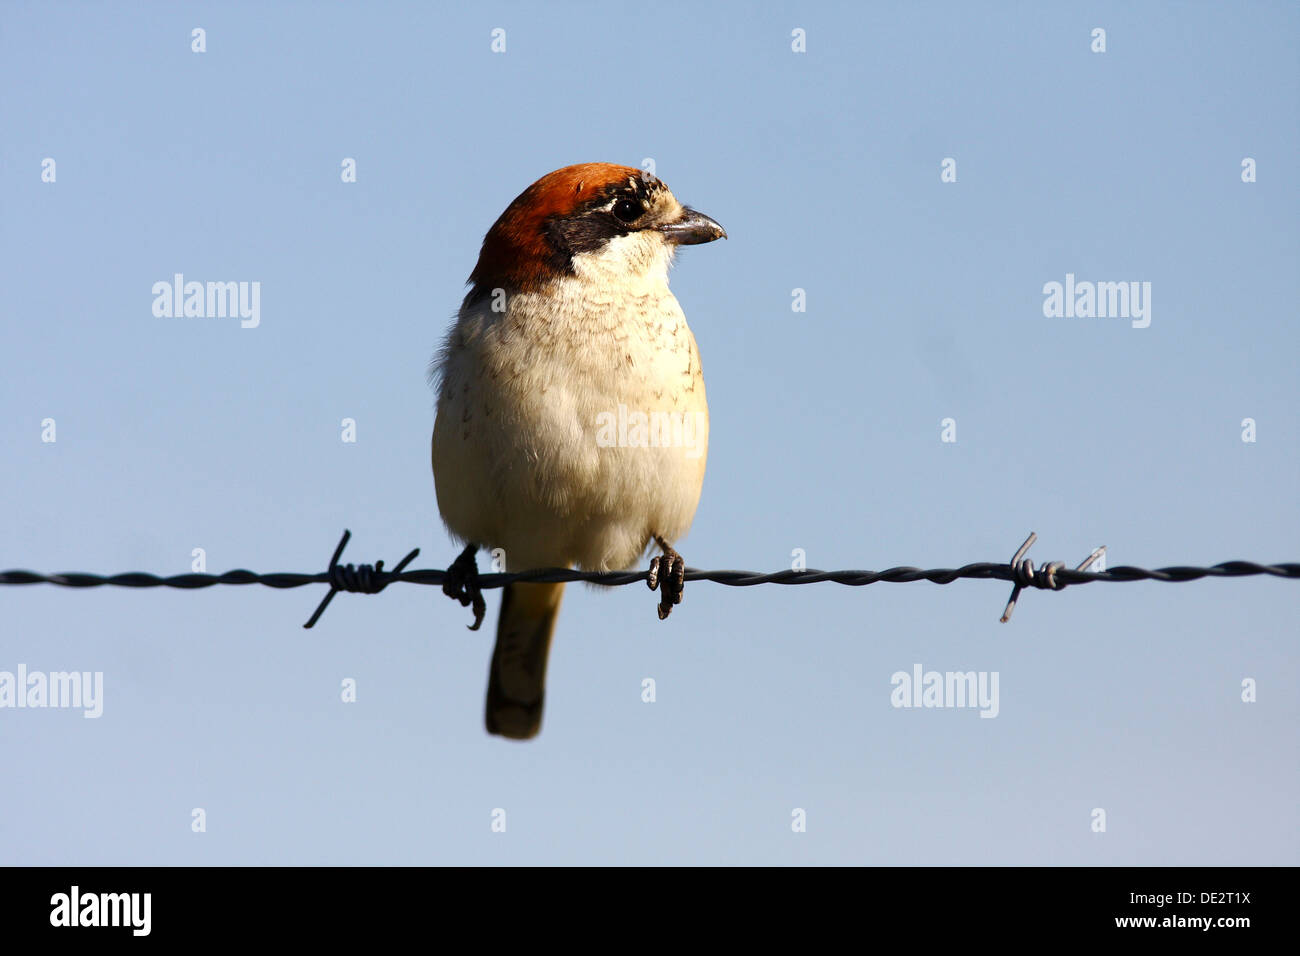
(668, 576)
(461, 584)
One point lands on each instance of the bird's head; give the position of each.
(594, 220)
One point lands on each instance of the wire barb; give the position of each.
(1023, 574)
(358, 580)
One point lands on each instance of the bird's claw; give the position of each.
(668, 576)
(461, 584)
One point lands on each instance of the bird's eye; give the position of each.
(627, 211)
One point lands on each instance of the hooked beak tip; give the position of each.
(692, 229)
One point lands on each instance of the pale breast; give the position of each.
(578, 430)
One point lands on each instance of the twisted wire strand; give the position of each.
(368, 579)
(737, 579)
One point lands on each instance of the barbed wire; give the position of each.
(371, 579)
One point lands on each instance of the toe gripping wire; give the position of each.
(357, 579)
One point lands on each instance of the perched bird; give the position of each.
(572, 426)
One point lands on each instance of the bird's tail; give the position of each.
(517, 681)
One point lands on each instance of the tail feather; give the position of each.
(517, 680)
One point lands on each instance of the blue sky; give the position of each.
(924, 302)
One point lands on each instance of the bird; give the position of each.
(571, 427)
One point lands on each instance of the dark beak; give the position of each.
(692, 229)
